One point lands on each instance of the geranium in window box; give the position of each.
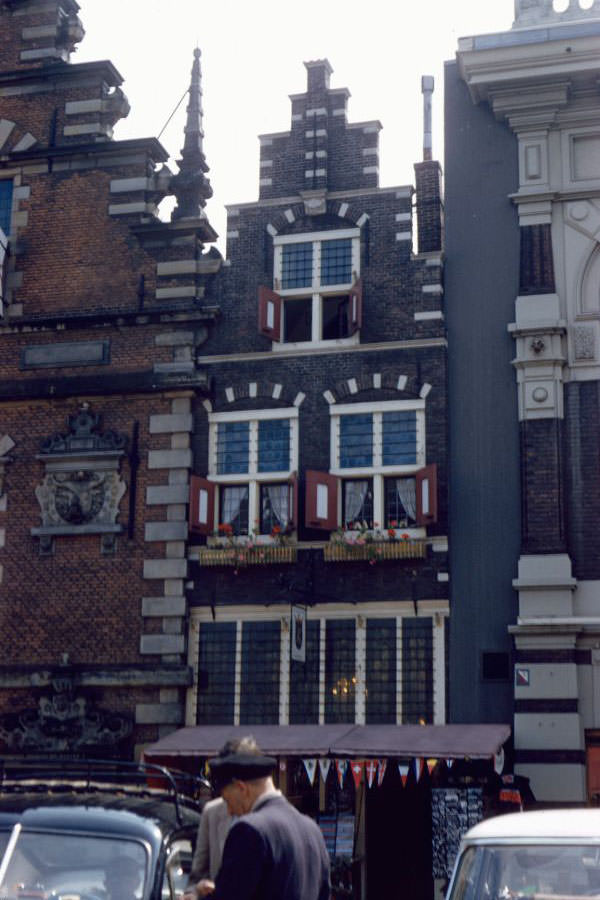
(373, 546)
(255, 555)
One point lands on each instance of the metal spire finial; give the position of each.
(191, 187)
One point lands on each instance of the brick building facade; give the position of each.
(523, 124)
(104, 307)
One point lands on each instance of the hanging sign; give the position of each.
(324, 766)
(341, 765)
(403, 770)
(499, 761)
(357, 771)
(298, 638)
(311, 769)
(371, 769)
(381, 771)
(419, 764)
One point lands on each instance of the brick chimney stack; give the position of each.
(428, 180)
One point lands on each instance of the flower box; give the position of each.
(339, 551)
(246, 556)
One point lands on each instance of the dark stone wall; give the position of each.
(582, 477)
(481, 283)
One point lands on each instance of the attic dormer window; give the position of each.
(317, 291)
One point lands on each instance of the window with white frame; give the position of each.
(317, 295)
(376, 451)
(251, 483)
(360, 668)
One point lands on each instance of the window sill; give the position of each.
(236, 557)
(374, 551)
(282, 346)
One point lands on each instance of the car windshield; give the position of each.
(535, 872)
(40, 866)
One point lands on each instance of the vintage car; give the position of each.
(96, 831)
(539, 855)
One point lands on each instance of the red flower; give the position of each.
(405, 536)
(391, 532)
(276, 529)
(393, 523)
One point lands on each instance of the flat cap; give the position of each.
(240, 767)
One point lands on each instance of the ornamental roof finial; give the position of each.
(191, 187)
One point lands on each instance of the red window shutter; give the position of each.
(321, 500)
(426, 479)
(269, 313)
(202, 505)
(293, 501)
(355, 307)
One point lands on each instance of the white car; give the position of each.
(541, 855)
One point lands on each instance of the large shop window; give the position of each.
(377, 470)
(318, 292)
(359, 669)
(251, 486)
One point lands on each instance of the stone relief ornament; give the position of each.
(63, 723)
(537, 12)
(82, 486)
(584, 341)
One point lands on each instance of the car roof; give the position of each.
(552, 824)
(141, 817)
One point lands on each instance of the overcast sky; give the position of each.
(252, 59)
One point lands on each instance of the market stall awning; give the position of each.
(441, 741)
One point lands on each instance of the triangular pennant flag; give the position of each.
(418, 768)
(311, 769)
(449, 763)
(371, 769)
(324, 766)
(357, 771)
(403, 770)
(381, 771)
(341, 765)
(431, 764)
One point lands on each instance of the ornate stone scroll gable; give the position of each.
(82, 487)
(63, 723)
(542, 12)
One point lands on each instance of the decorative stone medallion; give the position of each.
(82, 486)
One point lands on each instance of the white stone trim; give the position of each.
(352, 385)
(232, 235)
(329, 397)
(370, 151)
(435, 289)
(403, 217)
(271, 230)
(344, 207)
(299, 399)
(377, 380)
(252, 389)
(265, 182)
(363, 220)
(266, 163)
(177, 267)
(34, 32)
(429, 316)
(124, 185)
(403, 379)
(425, 390)
(321, 111)
(404, 235)
(26, 142)
(289, 214)
(370, 170)
(277, 389)
(229, 394)
(6, 128)
(128, 209)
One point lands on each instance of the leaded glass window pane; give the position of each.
(381, 672)
(400, 438)
(417, 671)
(274, 445)
(216, 673)
(233, 444)
(274, 507)
(304, 680)
(400, 502)
(234, 507)
(259, 691)
(340, 670)
(296, 266)
(6, 189)
(356, 441)
(357, 502)
(336, 261)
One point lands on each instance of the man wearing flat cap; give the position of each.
(272, 851)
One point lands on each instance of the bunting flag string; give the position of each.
(324, 766)
(449, 763)
(403, 770)
(381, 771)
(370, 769)
(341, 765)
(311, 769)
(357, 771)
(431, 764)
(419, 764)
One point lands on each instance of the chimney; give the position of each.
(428, 180)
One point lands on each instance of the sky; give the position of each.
(252, 60)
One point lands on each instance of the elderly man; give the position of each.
(272, 851)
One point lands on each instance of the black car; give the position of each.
(96, 831)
